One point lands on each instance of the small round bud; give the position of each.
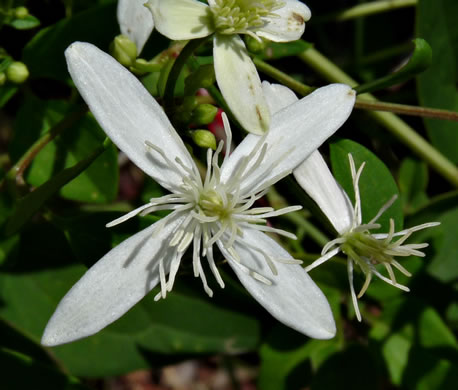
(253, 45)
(17, 72)
(204, 139)
(21, 12)
(2, 78)
(123, 50)
(204, 114)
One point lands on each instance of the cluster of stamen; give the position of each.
(214, 211)
(368, 250)
(242, 16)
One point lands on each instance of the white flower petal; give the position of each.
(278, 96)
(295, 132)
(112, 285)
(293, 298)
(136, 21)
(181, 19)
(127, 112)
(240, 84)
(314, 176)
(290, 24)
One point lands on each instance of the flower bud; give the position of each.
(21, 12)
(204, 139)
(17, 72)
(2, 78)
(253, 45)
(204, 114)
(123, 50)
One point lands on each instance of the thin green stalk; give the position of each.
(371, 8)
(394, 124)
(278, 75)
(315, 234)
(17, 171)
(177, 67)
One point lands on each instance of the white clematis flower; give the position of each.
(135, 21)
(238, 80)
(214, 210)
(355, 240)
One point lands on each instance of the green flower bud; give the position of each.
(204, 139)
(21, 12)
(2, 78)
(123, 50)
(253, 45)
(17, 72)
(204, 114)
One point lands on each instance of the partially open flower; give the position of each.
(217, 209)
(362, 247)
(279, 21)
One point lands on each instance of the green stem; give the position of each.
(283, 78)
(17, 171)
(315, 234)
(407, 110)
(394, 124)
(371, 8)
(177, 67)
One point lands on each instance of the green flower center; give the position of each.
(212, 204)
(240, 16)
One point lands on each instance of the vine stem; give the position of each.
(371, 8)
(17, 171)
(390, 121)
(177, 67)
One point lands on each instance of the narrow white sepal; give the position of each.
(135, 21)
(240, 84)
(314, 176)
(295, 132)
(126, 111)
(289, 25)
(112, 285)
(181, 19)
(292, 298)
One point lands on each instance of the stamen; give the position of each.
(352, 289)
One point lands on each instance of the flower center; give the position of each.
(241, 16)
(212, 204)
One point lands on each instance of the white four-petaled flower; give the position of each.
(355, 240)
(214, 210)
(278, 21)
(135, 21)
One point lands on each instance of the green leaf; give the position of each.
(44, 54)
(26, 23)
(276, 50)
(444, 237)
(420, 60)
(32, 202)
(376, 184)
(99, 184)
(413, 180)
(7, 91)
(21, 372)
(437, 87)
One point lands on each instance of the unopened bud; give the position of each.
(17, 72)
(204, 139)
(2, 78)
(253, 45)
(21, 12)
(123, 50)
(204, 114)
